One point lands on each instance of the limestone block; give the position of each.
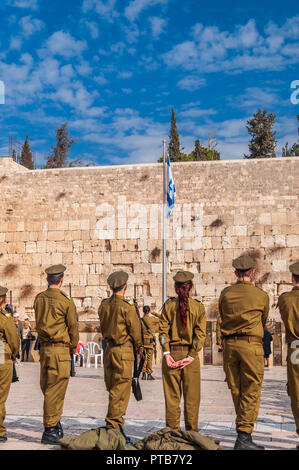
(156, 268)
(278, 218)
(64, 247)
(18, 247)
(87, 258)
(56, 235)
(93, 279)
(73, 235)
(75, 225)
(241, 230)
(67, 258)
(56, 258)
(210, 267)
(30, 247)
(265, 218)
(279, 265)
(292, 240)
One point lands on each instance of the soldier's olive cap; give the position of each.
(294, 268)
(183, 276)
(243, 263)
(3, 291)
(117, 279)
(56, 269)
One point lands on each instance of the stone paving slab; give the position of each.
(86, 405)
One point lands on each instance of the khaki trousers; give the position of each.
(244, 370)
(148, 363)
(55, 369)
(5, 382)
(293, 382)
(118, 365)
(176, 382)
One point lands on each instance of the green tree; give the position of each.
(174, 150)
(26, 155)
(294, 150)
(262, 143)
(60, 152)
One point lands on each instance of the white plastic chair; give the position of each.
(93, 350)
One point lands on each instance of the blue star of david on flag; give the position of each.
(170, 190)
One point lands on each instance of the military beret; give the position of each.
(294, 268)
(56, 269)
(243, 263)
(117, 279)
(183, 276)
(3, 291)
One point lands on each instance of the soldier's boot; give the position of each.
(143, 377)
(150, 377)
(50, 436)
(244, 442)
(59, 430)
(128, 439)
(3, 438)
(297, 446)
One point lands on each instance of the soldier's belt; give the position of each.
(179, 348)
(60, 345)
(248, 338)
(5, 356)
(127, 343)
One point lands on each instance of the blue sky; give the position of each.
(112, 69)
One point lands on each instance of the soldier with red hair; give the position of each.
(182, 332)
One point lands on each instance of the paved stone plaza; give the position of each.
(86, 404)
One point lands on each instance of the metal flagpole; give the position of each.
(164, 261)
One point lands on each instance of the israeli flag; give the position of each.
(170, 190)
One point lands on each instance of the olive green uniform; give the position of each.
(9, 348)
(182, 342)
(243, 310)
(148, 342)
(218, 332)
(57, 328)
(288, 303)
(121, 328)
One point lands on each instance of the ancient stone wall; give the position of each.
(99, 219)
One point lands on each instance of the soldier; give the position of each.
(121, 328)
(244, 310)
(148, 325)
(57, 328)
(182, 332)
(288, 303)
(9, 348)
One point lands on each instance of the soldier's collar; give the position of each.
(244, 282)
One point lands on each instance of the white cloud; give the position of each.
(93, 28)
(157, 26)
(135, 7)
(124, 74)
(191, 83)
(28, 4)
(63, 44)
(106, 9)
(244, 48)
(31, 25)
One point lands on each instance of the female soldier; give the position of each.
(182, 332)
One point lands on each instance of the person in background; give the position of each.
(267, 346)
(148, 326)
(27, 336)
(19, 327)
(80, 353)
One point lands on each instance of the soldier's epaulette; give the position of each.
(65, 295)
(197, 300)
(130, 302)
(6, 314)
